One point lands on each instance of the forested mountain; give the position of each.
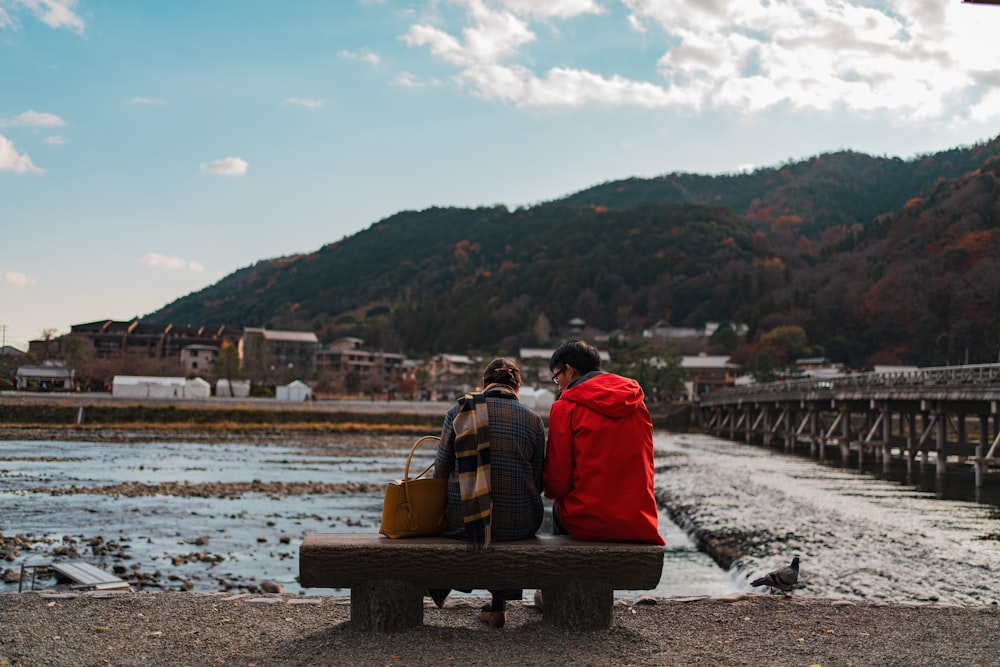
(875, 259)
(810, 198)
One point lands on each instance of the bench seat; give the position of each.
(388, 578)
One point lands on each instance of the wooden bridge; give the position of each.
(949, 413)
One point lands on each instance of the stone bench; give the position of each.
(388, 578)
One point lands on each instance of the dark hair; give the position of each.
(501, 371)
(579, 354)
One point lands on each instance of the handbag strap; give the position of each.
(406, 472)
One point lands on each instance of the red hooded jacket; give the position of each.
(599, 461)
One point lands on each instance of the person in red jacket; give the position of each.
(599, 459)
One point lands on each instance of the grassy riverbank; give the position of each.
(94, 412)
(95, 415)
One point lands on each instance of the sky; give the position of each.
(148, 149)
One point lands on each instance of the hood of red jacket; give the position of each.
(607, 394)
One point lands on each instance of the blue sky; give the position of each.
(147, 149)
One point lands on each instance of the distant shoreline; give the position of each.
(35, 409)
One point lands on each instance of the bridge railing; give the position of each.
(981, 375)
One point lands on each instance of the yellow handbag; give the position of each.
(414, 507)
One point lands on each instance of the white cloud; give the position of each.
(155, 260)
(33, 119)
(230, 166)
(148, 101)
(410, 80)
(364, 56)
(15, 279)
(987, 109)
(912, 59)
(552, 8)
(53, 13)
(636, 24)
(11, 160)
(561, 87)
(494, 37)
(55, 140)
(305, 102)
(902, 58)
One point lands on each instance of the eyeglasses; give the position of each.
(555, 378)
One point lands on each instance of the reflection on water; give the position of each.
(216, 542)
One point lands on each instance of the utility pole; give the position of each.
(3, 337)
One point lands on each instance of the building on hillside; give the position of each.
(708, 373)
(198, 359)
(534, 362)
(277, 357)
(344, 366)
(664, 331)
(114, 339)
(817, 368)
(49, 376)
(10, 358)
(450, 376)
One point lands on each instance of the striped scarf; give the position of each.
(472, 451)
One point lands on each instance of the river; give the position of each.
(858, 536)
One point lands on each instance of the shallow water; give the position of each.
(253, 538)
(859, 536)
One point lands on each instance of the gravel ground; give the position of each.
(157, 629)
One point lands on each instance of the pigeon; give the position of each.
(783, 578)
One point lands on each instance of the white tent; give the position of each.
(539, 400)
(232, 388)
(139, 386)
(294, 391)
(197, 388)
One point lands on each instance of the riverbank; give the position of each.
(169, 629)
(95, 409)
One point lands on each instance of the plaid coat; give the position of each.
(517, 459)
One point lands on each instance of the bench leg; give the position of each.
(386, 605)
(578, 605)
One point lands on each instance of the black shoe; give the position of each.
(439, 595)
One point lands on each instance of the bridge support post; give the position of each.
(981, 445)
(962, 439)
(748, 424)
(942, 441)
(886, 438)
(911, 442)
(813, 430)
(845, 436)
